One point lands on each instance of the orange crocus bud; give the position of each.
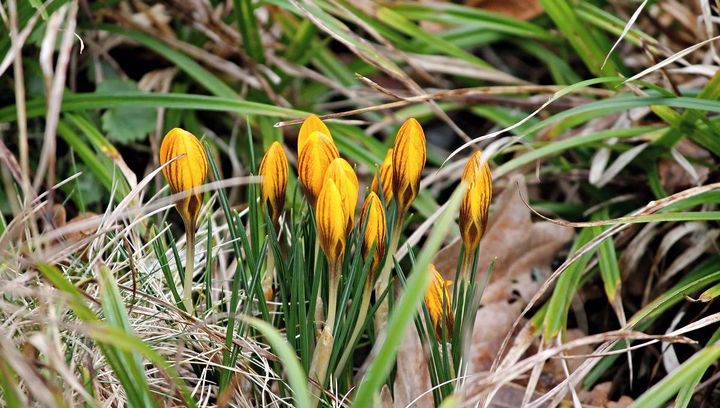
(408, 162)
(476, 202)
(187, 172)
(331, 222)
(372, 217)
(274, 173)
(311, 124)
(342, 173)
(439, 302)
(317, 154)
(383, 179)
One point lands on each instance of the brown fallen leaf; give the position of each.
(520, 9)
(599, 396)
(386, 399)
(412, 378)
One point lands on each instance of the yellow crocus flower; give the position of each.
(311, 124)
(331, 223)
(439, 302)
(476, 202)
(408, 161)
(274, 172)
(384, 177)
(187, 172)
(372, 217)
(342, 173)
(316, 155)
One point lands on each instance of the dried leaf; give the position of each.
(412, 377)
(386, 400)
(600, 397)
(520, 9)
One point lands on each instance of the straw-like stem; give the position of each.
(189, 266)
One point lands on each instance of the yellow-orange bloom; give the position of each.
(439, 302)
(311, 124)
(408, 161)
(342, 173)
(384, 177)
(186, 173)
(317, 154)
(331, 220)
(372, 217)
(274, 172)
(476, 202)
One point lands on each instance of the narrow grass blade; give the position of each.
(246, 21)
(588, 43)
(672, 383)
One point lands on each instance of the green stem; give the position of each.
(367, 293)
(381, 314)
(189, 266)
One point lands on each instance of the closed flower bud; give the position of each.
(311, 124)
(372, 217)
(474, 166)
(475, 203)
(317, 154)
(384, 178)
(408, 162)
(274, 173)
(331, 220)
(439, 302)
(342, 173)
(186, 173)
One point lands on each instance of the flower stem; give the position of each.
(333, 278)
(189, 266)
(323, 350)
(365, 303)
(381, 314)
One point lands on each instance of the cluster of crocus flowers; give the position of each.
(332, 189)
(185, 169)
